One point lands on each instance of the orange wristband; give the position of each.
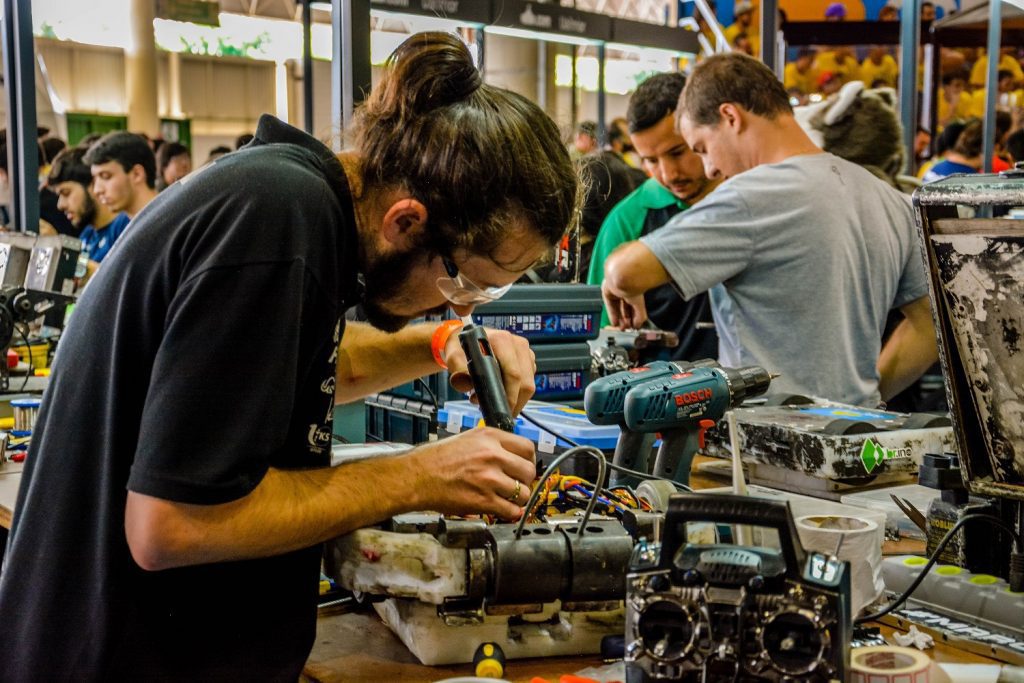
(440, 339)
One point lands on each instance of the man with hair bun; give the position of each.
(178, 488)
(804, 253)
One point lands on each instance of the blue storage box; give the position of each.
(458, 416)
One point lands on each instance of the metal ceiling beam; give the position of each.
(910, 36)
(991, 83)
(20, 91)
(350, 60)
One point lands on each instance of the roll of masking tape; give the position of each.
(855, 540)
(889, 664)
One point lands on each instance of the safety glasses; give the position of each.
(462, 291)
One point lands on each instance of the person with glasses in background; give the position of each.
(179, 469)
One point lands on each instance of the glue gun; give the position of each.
(485, 374)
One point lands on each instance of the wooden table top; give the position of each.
(359, 647)
(10, 480)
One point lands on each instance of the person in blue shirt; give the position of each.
(70, 177)
(964, 157)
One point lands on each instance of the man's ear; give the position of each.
(137, 175)
(404, 223)
(732, 116)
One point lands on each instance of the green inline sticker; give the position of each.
(873, 455)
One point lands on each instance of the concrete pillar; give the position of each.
(174, 84)
(140, 70)
(512, 64)
(551, 96)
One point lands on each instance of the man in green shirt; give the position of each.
(677, 182)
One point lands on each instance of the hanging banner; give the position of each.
(533, 16)
(206, 12)
(651, 35)
(469, 11)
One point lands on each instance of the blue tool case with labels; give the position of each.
(545, 313)
(563, 371)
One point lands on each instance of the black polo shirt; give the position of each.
(202, 354)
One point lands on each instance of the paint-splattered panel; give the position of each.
(982, 278)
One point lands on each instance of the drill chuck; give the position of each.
(746, 383)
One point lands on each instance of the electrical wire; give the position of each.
(935, 556)
(535, 494)
(612, 466)
(602, 464)
(430, 392)
(651, 477)
(28, 350)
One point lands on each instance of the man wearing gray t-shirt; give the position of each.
(804, 253)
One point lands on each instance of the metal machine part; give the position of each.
(976, 283)
(608, 358)
(19, 306)
(618, 350)
(15, 256)
(53, 263)
(469, 568)
(700, 612)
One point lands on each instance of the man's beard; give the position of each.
(384, 277)
(88, 215)
(690, 193)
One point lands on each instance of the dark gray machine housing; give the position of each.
(723, 612)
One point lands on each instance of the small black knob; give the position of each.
(659, 583)
(692, 577)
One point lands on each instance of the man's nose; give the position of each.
(462, 310)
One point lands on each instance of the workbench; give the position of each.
(356, 647)
(351, 648)
(10, 479)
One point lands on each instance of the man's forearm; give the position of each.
(910, 351)
(370, 360)
(470, 473)
(288, 510)
(633, 269)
